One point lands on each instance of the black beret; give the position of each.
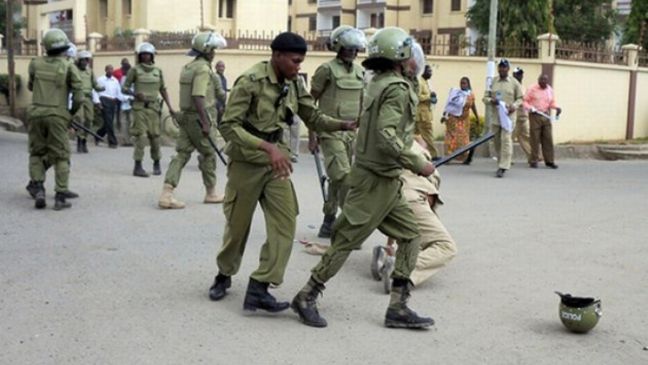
(504, 63)
(289, 42)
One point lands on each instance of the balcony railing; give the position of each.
(328, 3)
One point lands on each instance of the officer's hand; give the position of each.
(558, 111)
(349, 125)
(494, 101)
(428, 170)
(431, 200)
(510, 109)
(98, 105)
(313, 143)
(280, 163)
(205, 129)
(139, 97)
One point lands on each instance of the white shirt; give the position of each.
(112, 86)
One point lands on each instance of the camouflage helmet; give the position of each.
(145, 47)
(204, 42)
(346, 36)
(391, 43)
(578, 314)
(55, 40)
(84, 54)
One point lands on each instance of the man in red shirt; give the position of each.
(123, 70)
(539, 100)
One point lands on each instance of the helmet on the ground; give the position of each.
(71, 52)
(84, 54)
(145, 47)
(578, 314)
(391, 43)
(55, 40)
(348, 37)
(205, 42)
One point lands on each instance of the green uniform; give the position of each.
(51, 80)
(196, 79)
(148, 80)
(339, 87)
(258, 109)
(509, 91)
(85, 115)
(383, 149)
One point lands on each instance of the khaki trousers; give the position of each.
(436, 248)
(503, 146)
(523, 135)
(541, 134)
(247, 185)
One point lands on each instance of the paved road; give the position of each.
(114, 280)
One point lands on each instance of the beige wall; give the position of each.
(641, 106)
(591, 112)
(594, 99)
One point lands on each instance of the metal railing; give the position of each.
(590, 52)
(458, 45)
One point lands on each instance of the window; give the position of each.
(312, 1)
(103, 9)
(335, 21)
(127, 7)
(312, 23)
(230, 8)
(456, 5)
(377, 20)
(428, 6)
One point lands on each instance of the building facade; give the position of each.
(422, 17)
(78, 18)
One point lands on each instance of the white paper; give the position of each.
(504, 119)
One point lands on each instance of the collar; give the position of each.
(271, 73)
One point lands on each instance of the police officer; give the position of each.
(148, 82)
(198, 91)
(51, 79)
(426, 99)
(337, 85)
(261, 105)
(85, 114)
(375, 200)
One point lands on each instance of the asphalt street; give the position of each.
(115, 280)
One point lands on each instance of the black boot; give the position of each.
(60, 202)
(398, 314)
(327, 226)
(32, 188)
(156, 168)
(138, 170)
(79, 144)
(305, 304)
(257, 297)
(218, 290)
(84, 145)
(69, 194)
(39, 195)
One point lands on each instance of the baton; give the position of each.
(487, 137)
(211, 142)
(78, 126)
(321, 175)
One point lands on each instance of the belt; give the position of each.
(108, 98)
(272, 137)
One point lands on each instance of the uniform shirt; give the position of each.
(540, 99)
(199, 79)
(112, 88)
(339, 86)
(507, 90)
(259, 100)
(386, 127)
(417, 187)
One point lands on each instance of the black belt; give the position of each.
(272, 137)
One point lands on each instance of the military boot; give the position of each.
(69, 194)
(32, 188)
(167, 201)
(327, 226)
(79, 144)
(60, 202)
(305, 304)
(211, 197)
(218, 290)
(398, 314)
(257, 297)
(138, 170)
(39, 195)
(156, 168)
(84, 146)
